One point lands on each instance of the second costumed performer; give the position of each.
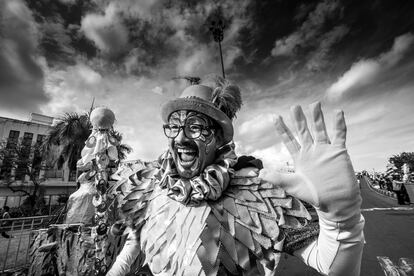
(207, 212)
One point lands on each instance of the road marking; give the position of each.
(405, 266)
(388, 209)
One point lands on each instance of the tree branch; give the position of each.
(17, 190)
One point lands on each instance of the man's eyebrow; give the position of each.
(197, 116)
(175, 115)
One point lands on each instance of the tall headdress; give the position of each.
(100, 139)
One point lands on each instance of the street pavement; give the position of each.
(389, 235)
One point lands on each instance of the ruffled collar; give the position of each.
(209, 185)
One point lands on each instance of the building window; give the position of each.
(14, 134)
(27, 139)
(13, 138)
(37, 155)
(72, 176)
(7, 164)
(24, 158)
(40, 138)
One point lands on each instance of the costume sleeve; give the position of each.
(297, 238)
(338, 248)
(133, 189)
(126, 257)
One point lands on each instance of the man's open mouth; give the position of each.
(187, 156)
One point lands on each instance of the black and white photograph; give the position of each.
(206, 138)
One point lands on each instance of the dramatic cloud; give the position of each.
(21, 77)
(56, 42)
(196, 60)
(157, 38)
(365, 72)
(311, 32)
(135, 101)
(257, 133)
(72, 89)
(319, 58)
(140, 9)
(107, 31)
(274, 158)
(143, 46)
(57, 56)
(258, 137)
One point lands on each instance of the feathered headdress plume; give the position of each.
(227, 97)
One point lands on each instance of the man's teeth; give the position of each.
(186, 151)
(187, 155)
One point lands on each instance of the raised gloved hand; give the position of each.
(324, 176)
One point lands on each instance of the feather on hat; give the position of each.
(221, 104)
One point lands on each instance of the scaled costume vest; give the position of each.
(243, 232)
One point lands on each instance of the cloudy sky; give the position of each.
(56, 56)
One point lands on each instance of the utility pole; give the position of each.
(216, 28)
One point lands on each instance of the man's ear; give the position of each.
(219, 137)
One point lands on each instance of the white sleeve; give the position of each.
(338, 249)
(126, 257)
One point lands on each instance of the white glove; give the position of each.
(324, 175)
(126, 257)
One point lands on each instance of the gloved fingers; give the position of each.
(287, 137)
(319, 127)
(299, 120)
(339, 128)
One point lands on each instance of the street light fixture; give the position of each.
(216, 28)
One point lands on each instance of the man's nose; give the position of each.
(181, 137)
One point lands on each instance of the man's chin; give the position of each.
(188, 172)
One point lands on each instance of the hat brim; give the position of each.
(202, 106)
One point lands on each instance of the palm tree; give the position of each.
(70, 134)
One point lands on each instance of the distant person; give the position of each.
(405, 196)
(397, 186)
(381, 182)
(358, 177)
(6, 215)
(407, 179)
(388, 183)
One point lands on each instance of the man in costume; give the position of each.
(207, 212)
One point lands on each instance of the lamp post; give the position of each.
(216, 28)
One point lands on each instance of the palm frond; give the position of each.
(123, 150)
(70, 134)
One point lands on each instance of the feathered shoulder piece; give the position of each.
(249, 225)
(133, 188)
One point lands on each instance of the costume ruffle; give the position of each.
(208, 186)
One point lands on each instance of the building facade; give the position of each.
(57, 183)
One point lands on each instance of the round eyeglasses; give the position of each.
(191, 131)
